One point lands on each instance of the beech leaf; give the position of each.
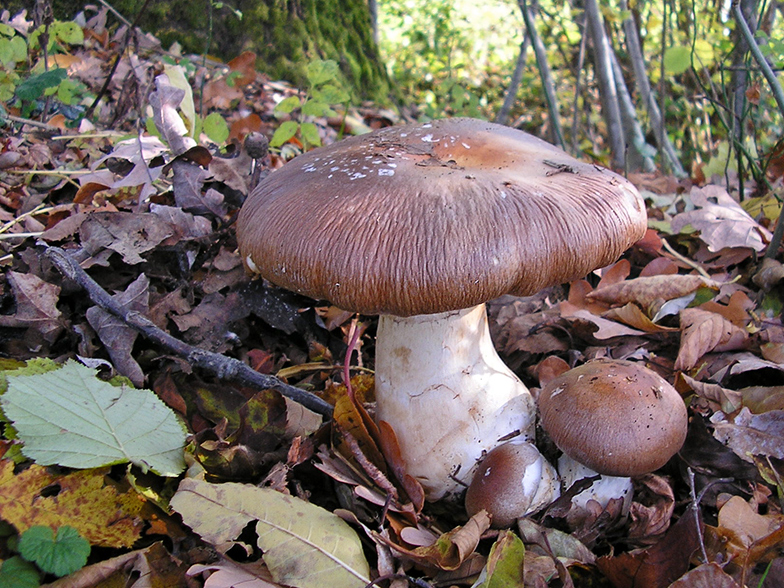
(646, 290)
(703, 331)
(70, 418)
(304, 545)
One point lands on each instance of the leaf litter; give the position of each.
(150, 217)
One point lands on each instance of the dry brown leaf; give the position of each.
(653, 506)
(728, 400)
(36, 305)
(706, 576)
(753, 434)
(631, 314)
(607, 329)
(703, 332)
(736, 310)
(645, 291)
(721, 221)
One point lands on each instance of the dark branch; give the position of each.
(226, 368)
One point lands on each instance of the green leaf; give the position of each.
(60, 555)
(35, 86)
(321, 71)
(315, 108)
(331, 94)
(287, 105)
(304, 545)
(71, 418)
(504, 567)
(284, 132)
(310, 134)
(677, 59)
(67, 32)
(215, 128)
(18, 573)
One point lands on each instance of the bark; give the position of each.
(604, 74)
(634, 49)
(514, 85)
(639, 153)
(544, 71)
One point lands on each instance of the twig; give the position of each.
(695, 508)
(685, 260)
(223, 367)
(33, 123)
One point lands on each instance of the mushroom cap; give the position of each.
(512, 481)
(434, 217)
(616, 417)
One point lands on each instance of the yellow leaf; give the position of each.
(82, 500)
(304, 545)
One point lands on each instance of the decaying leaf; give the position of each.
(704, 331)
(303, 545)
(229, 574)
(126, 233)
(504, 564)
(607, 329)
(721, 221)
(36, 305)
(708, 575)
(117, 337)
(753, 434)
(82, 500)
(647, 290)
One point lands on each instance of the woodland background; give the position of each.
(170, 453)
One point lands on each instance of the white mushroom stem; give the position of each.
(448, 396)
(602, 490)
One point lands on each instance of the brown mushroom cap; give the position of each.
(433, 217)
(616, 417)
(511, 481)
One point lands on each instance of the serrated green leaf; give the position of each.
(18, 573)
(310, 134)
(321, 71)
(304, 545)
(71, 418)
(287, 105)
(35, 86)
(60, 554)
(215, 127)
(677, 59)
(284, 132)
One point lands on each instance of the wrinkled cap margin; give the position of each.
(428, 218)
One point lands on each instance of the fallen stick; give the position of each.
(225, 368)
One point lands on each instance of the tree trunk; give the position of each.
(607, 89)
(639, 155)
(544, 71)
(514, 85)
(634, 48)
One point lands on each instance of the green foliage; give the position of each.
(31, 84)
(324, 92)
(60, 554)
(18, 573)
(71, 418)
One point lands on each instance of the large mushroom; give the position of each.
(422, 224)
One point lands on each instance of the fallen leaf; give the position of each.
(129, 234)
(708, 575)
(504, 564)
(721, 221)
(705, 331)
(100, 513)
(607, 328)
(71, 418)
(748, 434)
(645, 291)
(36, 305)
(303, 545)
(230, 574)
(118, 338)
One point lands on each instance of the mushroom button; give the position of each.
(616, 418)
(512, 481)
(423, 224)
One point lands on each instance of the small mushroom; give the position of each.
(512, 481)
(422, 224)
(615, 418)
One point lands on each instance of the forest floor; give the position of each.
(149, 218)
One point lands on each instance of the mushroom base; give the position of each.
(442, 387)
